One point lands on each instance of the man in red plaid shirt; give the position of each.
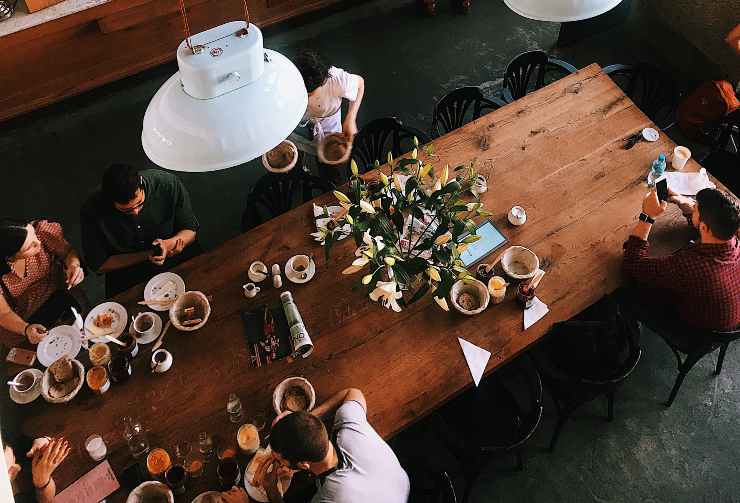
(698, 287)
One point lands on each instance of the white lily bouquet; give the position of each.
(410, 229)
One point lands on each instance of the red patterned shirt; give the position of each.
(701, 281)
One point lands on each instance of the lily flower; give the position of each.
(366, 207)
(386, 293)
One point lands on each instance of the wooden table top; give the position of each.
(557, 152)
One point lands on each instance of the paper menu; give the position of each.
(95, 485)
(688, 184)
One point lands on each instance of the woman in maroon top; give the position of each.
(37, 270)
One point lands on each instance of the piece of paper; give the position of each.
(477, 359)
(94, 486)
(688, 184)
(535, 312)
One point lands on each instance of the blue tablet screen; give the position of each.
(490, 239)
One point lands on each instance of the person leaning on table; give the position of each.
(355, 465)
(131, 213)
(37, 271)
(697, 287)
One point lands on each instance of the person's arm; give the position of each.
(174, 245)
(733, 39)
(11, 322)
(185, 222)
(349, 126)
(123, 260)
(335, 401)
(73, 269)
(44, 462)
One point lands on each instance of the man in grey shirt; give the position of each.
(355, 466)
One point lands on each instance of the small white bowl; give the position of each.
(190, 299)
(477, 289)
(277, 395)
(520, 262)
(46, 383)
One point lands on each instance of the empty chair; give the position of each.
(650, 89)
(459, 107)
(695, 346)
(587, 357)
(531, 71)
(724, 159)
(274, 194)
(377, 138)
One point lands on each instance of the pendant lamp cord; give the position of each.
(186, 26)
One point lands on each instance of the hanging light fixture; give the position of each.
(561, 10)
(231, 101)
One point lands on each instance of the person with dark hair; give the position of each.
(355, 465)
(136, 225)
(327, 86)
(37, 271)
(698, 287)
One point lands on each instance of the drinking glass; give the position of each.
(96, 447)
(181, 451)
(194, 464)
(229, 473)
(135, 436)
(205, 445)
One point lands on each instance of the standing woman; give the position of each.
(38, 267)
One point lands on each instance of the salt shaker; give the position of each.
(277, 280)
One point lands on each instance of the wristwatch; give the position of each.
(647, 218)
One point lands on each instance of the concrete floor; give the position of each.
(691, 453)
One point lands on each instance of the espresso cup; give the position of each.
(298, 266)
(161, 361)
(144, 325)
(250, 290)
(27, 380)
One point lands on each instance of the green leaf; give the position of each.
(420, 292)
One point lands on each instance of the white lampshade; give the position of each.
(561, 10)
(248, 100)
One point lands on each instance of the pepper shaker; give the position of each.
(277, 279)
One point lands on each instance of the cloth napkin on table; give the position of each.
(476, 357)
(535, 313)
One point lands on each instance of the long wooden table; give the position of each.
(557, 152)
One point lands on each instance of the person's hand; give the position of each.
(684, 203)
(47, 460)
(235, 495)
(652, 206)
(13, 468)
(271, 479)
(39, 444)
(349, 128)
(35, 332)
(159, 259)
(74, 273)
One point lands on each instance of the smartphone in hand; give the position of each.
(157, 250)
(662, 187)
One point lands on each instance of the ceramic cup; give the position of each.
(681, 156)
(144, 325)
(480, 185)
(517, 215)
(27, 378)
(250, 290)
(258, 271)
(161, 361)
(298, 266)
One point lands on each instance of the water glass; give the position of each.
(96, 447)
(135, 436)
(205, 445)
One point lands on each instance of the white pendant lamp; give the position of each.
(231, 101)
(561, 10)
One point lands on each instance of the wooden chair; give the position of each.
(377, 138)
(459, 107)
(531, 71)
(276, 193)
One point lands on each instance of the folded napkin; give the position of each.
(688, 184)
(476, 357)
(535, 312)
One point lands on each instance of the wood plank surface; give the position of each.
(557, 152)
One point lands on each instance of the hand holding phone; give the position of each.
(661, 186)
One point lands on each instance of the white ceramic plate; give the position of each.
(30, 395)
(163, 286)
(144, 488)
(294, 277)
(150, 338)
(257, 493)
(61, 340)
(201, 496)
(650, 134)
(117, 327)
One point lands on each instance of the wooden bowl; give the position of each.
(520, 262)
(193, 299)
(326, 146)
(286, 168)
(300, 382)
(47, 379)
(475, 288)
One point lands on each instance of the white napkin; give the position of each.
(688, 184)
(535, 313)
(476, 357)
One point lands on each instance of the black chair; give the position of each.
(653, 91)
(459, 107)
(377, 138)
(695, 346)
(531, 71)
(276, 193)
(587, 357)
(723, 160)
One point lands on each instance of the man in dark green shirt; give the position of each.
(136, 225)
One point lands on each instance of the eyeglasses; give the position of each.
(137, 206)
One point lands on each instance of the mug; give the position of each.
(250, 290)
(298, 266)
(161, 361)
(144, 324)
(681, 156)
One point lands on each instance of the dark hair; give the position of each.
(120, 183)
(13, 234)
(720, 212)
(300, 436)
(313, 67)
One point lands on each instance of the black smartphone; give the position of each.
(157, 250)
(662, 187)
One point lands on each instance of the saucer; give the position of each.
(151, 338)
(163, 286)
(30, 395)
(257, 277)
(293, 277)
